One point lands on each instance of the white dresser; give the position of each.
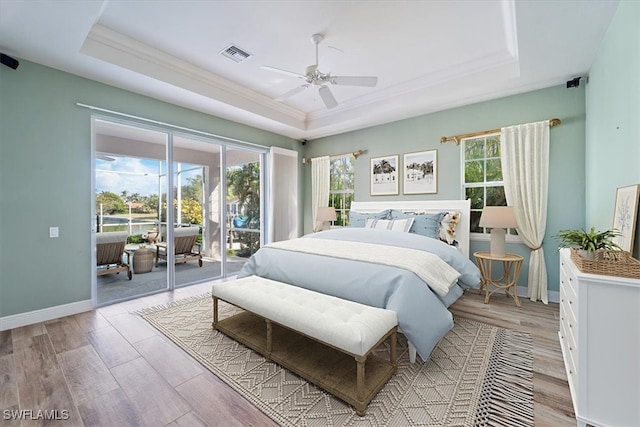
(600, 339)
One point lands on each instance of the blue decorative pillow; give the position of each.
(424, 224)
(359, 219)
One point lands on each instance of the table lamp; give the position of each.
(498, 218)
(325, 215)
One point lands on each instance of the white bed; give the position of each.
(422, 312)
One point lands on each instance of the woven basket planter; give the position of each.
(608, 263)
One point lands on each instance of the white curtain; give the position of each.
(319, 187)
(283, 190)
(525, 169)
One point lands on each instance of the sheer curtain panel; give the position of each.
(319, 187)
(283, 186)
(525, 169)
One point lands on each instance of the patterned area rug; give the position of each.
(478, 375)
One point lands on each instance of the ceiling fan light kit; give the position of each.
(314, 77)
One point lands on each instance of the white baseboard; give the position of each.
(554, 296)
(49, 313)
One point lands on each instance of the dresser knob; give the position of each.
(570, 325)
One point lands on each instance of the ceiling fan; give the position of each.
(315, 78)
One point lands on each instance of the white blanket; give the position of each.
(439, 275)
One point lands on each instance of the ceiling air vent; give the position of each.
(235, 53)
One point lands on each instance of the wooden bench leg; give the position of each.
(269, 335)
(215, 312)
(360, 361)
(394, 341)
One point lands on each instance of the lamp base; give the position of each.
(498, 243)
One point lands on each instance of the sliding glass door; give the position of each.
(244, 206)
(189, 206)
(130, 179)
(197, 209)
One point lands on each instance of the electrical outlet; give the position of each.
(54, 232)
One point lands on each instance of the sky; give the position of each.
(141, 176)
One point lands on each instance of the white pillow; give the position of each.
(402, 225)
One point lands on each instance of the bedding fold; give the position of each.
(436, 273)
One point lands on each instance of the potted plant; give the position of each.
(587, 243)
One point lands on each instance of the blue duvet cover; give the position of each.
(422, 315)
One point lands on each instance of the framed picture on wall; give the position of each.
(384, 175)
(420, 172)
(625, 215)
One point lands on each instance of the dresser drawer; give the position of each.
(568, 311)
(570, 285)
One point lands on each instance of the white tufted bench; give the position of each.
(353, 329)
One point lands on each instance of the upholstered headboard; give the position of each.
(427, 206)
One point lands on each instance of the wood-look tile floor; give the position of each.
(108, 367)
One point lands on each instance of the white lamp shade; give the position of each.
(498, 217)
(326, 214)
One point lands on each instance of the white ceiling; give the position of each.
(428, 55)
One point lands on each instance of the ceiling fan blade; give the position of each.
(292, 92)
(278, 70)
(355, 81)
(327, 97)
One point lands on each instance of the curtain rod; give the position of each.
(156, 122)
(355, 154)
(457, 138)
(335, 156)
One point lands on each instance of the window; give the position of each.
(482, 181)
(341, 186)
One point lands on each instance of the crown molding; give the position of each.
(115, 48)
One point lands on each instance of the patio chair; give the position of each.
(109, 251)
(184, 240)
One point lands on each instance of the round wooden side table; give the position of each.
(143, 260)
(511, 266)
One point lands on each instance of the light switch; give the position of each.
(53, 232)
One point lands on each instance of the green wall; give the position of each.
(45, 159)
(613, 109)
(566, 189)
(45, 178)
